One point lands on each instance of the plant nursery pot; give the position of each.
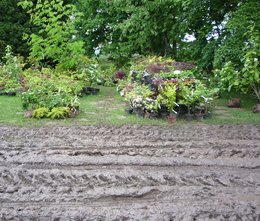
(139, 112)
(95, 91)
(172, 119)
(199, 116)
(11, 93)
(189, 117)
(86, 90)
(129, 110)
(164, 114)
(256, 109)
(153, 115)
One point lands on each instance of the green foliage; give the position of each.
(248, 78)
(10, 72)
(86, 70)
(50, 89)
(56, 39)
(40, 112)
(59, 113)
(153, 64)
(13, 22)
(235, 36)
(94, 72)
(169, 95)
(123, 28)
(106, 72)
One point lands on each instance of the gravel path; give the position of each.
(196, 172)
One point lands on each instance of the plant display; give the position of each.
(166, 93)
(10, 73)
(47, 90)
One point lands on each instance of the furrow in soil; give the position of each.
(197, 172)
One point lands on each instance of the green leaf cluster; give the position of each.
(246, 79)
(59, 113)
(54, 113)
(56, 40)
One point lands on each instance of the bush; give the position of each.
(86, 70)
(40, 112)
(10, 73)
(49, 89)
(59, 112)
(56, 35)
(246, 79)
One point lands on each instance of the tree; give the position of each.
(238, 23)
(205, 20)
(13, 22)
(123, 28)
(56, 40)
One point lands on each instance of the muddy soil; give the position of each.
(87, 173)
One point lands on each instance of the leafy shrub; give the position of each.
(59, 112)
(10, 72)
(246, 79)
(139, 96)
(87, 70)
(106, 73)
(40, 112)
(153, 65)
(49, 89)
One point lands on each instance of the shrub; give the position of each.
(246, 79)
(106, 73)
(86, 70)
(120, 75)
(59, 112)
(49, 89)
(40, 112)
(10, 72)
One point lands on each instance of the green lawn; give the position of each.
(108, 108)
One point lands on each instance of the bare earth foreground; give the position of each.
(194, 172)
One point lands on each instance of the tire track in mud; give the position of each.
(130, 173)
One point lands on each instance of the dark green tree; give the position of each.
(239, 24)
(123, 28)
(205, 20)
(13, 23)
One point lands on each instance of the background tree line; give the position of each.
(207, 32)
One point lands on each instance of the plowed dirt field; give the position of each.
(197, 172)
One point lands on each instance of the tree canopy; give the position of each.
(206, 32)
